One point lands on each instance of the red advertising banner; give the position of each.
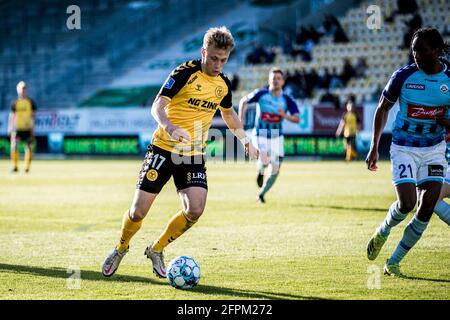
(326, 119)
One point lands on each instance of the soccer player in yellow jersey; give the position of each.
(21, 126)
(349, 125)
(184, 109)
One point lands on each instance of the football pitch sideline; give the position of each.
(59, 222)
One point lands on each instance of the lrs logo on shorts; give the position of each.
(152, 175)
(196, 177)
(435, 170)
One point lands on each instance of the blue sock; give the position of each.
(268, 184)
(442, 210)
(411, 235)
(393, 218)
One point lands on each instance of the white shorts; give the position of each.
(274, 147)
(418, 165)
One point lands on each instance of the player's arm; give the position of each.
(173, 84)
(11, 119)
(242, 109)
(293, 115)
(379, 122)
(232, 121)
(340, 127)
(295, 118)
(158, 112)
(33, 115)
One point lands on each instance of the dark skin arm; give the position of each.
(379, 122)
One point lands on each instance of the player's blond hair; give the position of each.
(219, 37)
(20, 86)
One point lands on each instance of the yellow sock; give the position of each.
(28, 157)
(177, 225)
(15, 158)
(348, 154)
(129, 229)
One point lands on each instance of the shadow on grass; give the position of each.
(204, 289)
(425, 279)
(341, 208)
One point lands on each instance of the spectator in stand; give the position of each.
(257, 55)
(348, 71)
(335, 80)
(403, 7)
(286, 44)
(331, 99)
(234, 80)
(271, 55)
(360, 68)
(332, 27)
(411, 27)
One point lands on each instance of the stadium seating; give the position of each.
(381, 48)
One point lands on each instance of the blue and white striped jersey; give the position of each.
(421, 97)
(268, 119)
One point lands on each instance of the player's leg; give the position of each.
(404, 174)
(348, 150)
(193, 202)
(429, 194)
(14, 151)
(430, 176)
(275, 165)
(442, 208)
(191, 182)
(155, 173)
(260, 143)
(28, 152)
(276, 154)
(354, 152)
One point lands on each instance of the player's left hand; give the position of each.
(251, 151)
(282, 113)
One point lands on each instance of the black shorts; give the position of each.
(159, 165)
(24, 135)
(351, 141)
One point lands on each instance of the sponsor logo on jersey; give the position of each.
(202, 103)
(270, 117)
(424, 112)
(193, 79)
(169, 83)
(414, 86)
(435, 170)
(444, 88)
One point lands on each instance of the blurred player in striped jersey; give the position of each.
(273, 106)
(418, 145)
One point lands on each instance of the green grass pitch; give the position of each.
(307, 242)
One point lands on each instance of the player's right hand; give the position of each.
(371, 159)
(251, 151)
(178, 134)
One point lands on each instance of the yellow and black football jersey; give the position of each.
(23, 109)
(351, 121)
(193, 100)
